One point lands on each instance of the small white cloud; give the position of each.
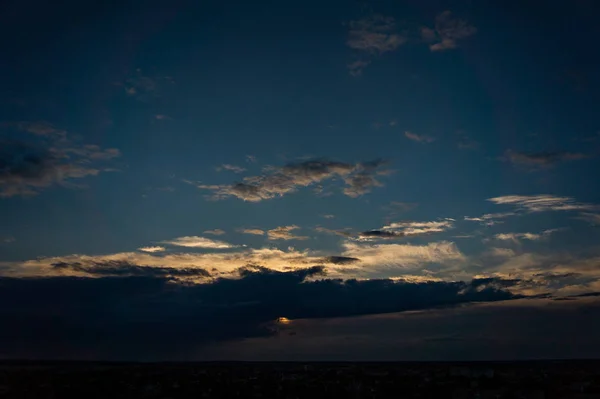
(152, 249)
(232, 168)
(420, 138)
(328, 216)
(256, 232)
(543, 202)
(199, 242)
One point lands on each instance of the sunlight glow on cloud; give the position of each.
(542, 202)
(152, 249)
(198, 242)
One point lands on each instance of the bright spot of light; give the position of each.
(283, 320)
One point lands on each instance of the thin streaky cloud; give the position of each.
(540, 160)
(215, 232)
(198, 242)
(231, 168)
(420, 138)
(543, 203)
(152, 249)
(256, 232)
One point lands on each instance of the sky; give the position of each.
(299, 180)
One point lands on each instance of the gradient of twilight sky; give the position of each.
(199, 169)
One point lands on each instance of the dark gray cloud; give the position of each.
(359, 178)
(40, 156)
(124, 268)
(381, 234)
(340, 260)
(539, 160)
(146, 316)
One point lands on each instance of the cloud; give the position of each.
(342, 233)
(371, 234)
(284, 233)
(372, 36)
(515, 237)
(120, 318)
(124, 268)
(542, 203)
(152, 249)
(256, 232)
(540, 160)
(466, 143)
(339, 260)
(375, 34)
(490, 219)
(397, 206)
(162, 117)
(357, 67)
(448, 31)
(232, 168)
(41, 128)
(593, 218)
(419, 138)
(279, 181)
(250, 159)
(414, 228)
(29, 165)
(198, 242)
(145, 88)
(328, 216)
(387, 260)
(215, 232)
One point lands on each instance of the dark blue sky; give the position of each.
(426, 142)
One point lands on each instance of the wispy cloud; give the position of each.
(372, 36)
(285, 233)
(447, 32)
(328, 216)
(250, 159)
(29, 166)
(405, 229)
(152, 249)
(232, 168)
(375, 34)
(543, 203)
(215, 232)
(256, 232)
(540, 160)
(162, 117)
(420, 138)
(145, 88)
(360, 178)
(593, 218)
(198, 242)
(490, 219)
(357, 67)
(341, 233)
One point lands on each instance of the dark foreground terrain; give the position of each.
(550, 379)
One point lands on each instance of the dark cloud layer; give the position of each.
(142, 316)
(124, 268)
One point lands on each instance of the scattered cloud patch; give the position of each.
(328, 216)
(542, 203)
(161, 117)
(284, 233)
(376, 34)
(341, 233)
(215, 232)
(540, 160)
(448, 31)
(251, 159)
(199, 242)
(232, 168)
(360, 178)
(490, 219)
(420, 138)
(124, 268)
(28, 165)
(152, 249)
(357, 67)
